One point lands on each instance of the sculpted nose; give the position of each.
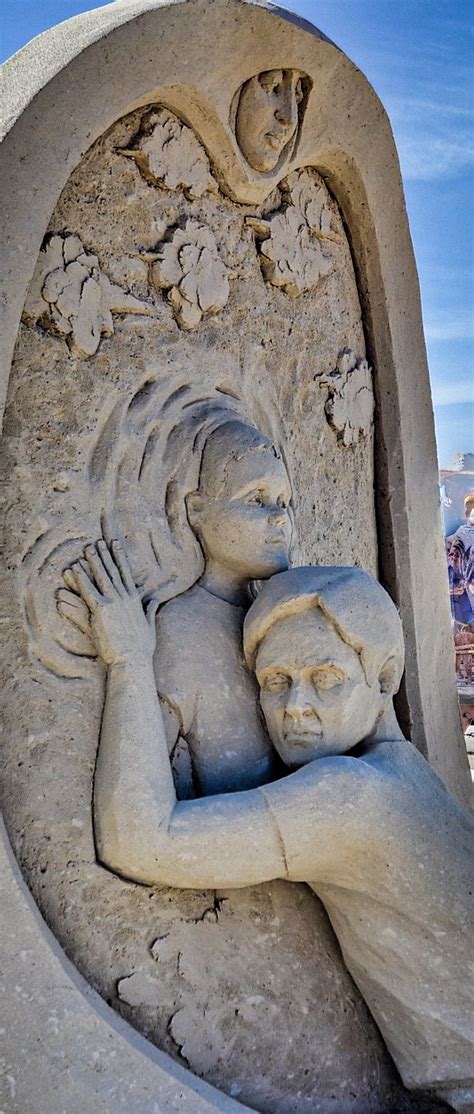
(284, 116)
(277, 516)
(287, 110)
(300, 701)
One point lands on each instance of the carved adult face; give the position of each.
(267, 116)
(241, 511)
(313, 690)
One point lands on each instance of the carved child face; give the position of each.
(267, 116)
(313, 690)
(241, 510)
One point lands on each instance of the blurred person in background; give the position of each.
(461, 581)
(465, 533)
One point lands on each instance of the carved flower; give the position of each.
(294, 246)
(350, 406)
(168, 155)
(309, 196)
(189, 267)
(73, 298)
(289, 257)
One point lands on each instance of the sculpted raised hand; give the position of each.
(115, 619)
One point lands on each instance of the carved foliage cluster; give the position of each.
(72, 297)
(186, 263)
(169, 156)
(295, 243)
(188, 266)
(350, 405)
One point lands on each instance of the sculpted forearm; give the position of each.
(134, 794)
(227, 841)
(141, 831)
(143, 834)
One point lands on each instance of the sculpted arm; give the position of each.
(141, 831)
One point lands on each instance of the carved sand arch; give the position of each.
(108, 69)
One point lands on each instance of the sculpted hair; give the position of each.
(360, 610)
(229, 441)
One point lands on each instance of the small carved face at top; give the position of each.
(267, 116)
(313, 690)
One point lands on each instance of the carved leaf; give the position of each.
(168, 155)
(73, 298)
(310, 198)
(349, 408)
(295, 242)
(290, 258)
(189, 267)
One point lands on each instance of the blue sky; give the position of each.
(417, 55)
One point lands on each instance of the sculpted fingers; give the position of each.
(73, 608)
(116, 624)
(150, 612)
(97, 570)
(110, 566)
(124, 568)
(78, 578)
(70, 580)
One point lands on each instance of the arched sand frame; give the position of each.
(64, 91)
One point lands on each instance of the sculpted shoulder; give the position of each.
(335, 811)
(324, 814)
(181, 611)
(398, 764)
(411, 805)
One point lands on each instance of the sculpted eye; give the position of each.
(277, 682)
(328, 678)
(255, 498)
(270, 84)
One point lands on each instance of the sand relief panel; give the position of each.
(190, 381)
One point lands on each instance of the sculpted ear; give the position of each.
(193, 507)
(389, 677)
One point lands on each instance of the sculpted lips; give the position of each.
(303, 737)
(275, 139)
(276, 539)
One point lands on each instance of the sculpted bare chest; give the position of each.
(201, 674)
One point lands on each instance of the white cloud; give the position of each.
(426, 158)
(450, 326)
(433, 126)
(453, 394)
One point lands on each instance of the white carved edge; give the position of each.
(69, 1051)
